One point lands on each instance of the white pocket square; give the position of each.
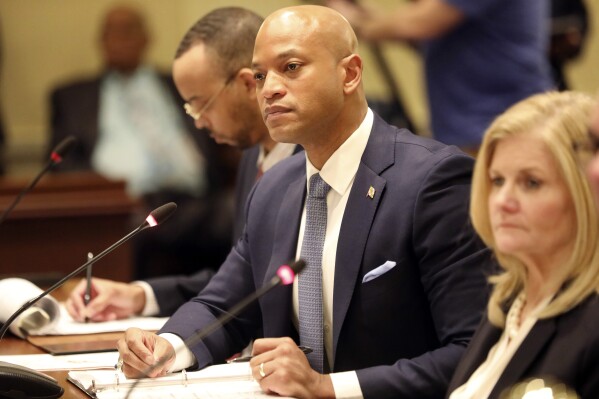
(379, 271)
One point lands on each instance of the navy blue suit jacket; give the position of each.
(173, 291)
(564, 348)
(404, 331)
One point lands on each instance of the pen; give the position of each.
(304, 349)
(88, 287)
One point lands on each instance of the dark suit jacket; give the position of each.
(404, 331)
(565, 348)
(173, 291)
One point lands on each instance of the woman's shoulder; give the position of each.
(590, 304)
(587, 310)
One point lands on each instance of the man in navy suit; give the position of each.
(403, 274)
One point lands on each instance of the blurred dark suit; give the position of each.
(173, 291)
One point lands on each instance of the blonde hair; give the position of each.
(561, 120)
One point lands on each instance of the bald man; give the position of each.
(400, 276)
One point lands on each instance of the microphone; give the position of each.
(56, 157)
(156, 217)
(284, 276)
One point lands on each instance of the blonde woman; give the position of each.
(532, 205)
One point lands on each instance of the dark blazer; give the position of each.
(173, 291)
(404, 331)
(246, 178)
(565, 348)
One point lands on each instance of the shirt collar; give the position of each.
(340, 169)
(279, 152)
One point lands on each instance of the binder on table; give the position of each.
(220, 381)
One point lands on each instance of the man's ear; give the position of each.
(352, 66)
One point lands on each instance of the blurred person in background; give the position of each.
(569, 28)
(130, 125)
(480, 56)
(533, 206)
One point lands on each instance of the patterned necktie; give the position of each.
(310, 280)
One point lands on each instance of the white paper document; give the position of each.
(67, 326)
(48, 317)
(47, 362)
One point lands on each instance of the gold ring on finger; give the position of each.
(261, 370)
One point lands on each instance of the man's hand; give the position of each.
(139, 350)
(110, 300)
(282, 368)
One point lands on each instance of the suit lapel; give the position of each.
(363, 201)
(486, 336)
(537, 339)
(286, 233)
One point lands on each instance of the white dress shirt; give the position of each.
(279, 152)
(142, 138)
(338, 172)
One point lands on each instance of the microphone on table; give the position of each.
(56, 156)
(156, 217)
(284, 276)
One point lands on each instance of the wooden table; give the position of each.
(15, 346)
(66, 216)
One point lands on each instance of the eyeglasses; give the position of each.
(196, 115)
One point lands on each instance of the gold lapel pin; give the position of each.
(371, 192)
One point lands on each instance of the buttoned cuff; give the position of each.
(151, 307)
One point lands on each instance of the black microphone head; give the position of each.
(287, 273)
(62, 149)
(298, 266)
(160, 214)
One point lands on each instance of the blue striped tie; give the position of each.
(310, 280)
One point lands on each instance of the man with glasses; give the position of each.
(130, 126)
(211, 71)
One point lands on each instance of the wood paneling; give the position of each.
(67, 215)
